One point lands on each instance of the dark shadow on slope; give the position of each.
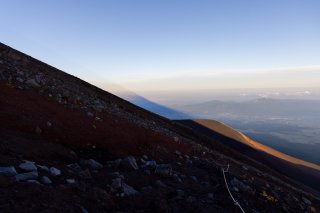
(155, 107)
(308, 176)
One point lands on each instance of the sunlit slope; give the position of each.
(229, 132)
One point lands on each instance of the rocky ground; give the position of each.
(67, 146)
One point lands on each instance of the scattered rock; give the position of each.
(149, 165)
(164, 170)
(49, 124)
(245, 168)
(128, 190)
(43, 168)
(75, 167)
(240, 185)
(194, 178)
(115, 175)
(92, 163)
(180, 193)
(45, 180)
(113, 164)
(26, 176)
(32, 83)
(178, 153)
(8, 171)
(146, 189)
(160, 184)
(28, 166)
(34, 182)
(85, 174)
(38, 130)
(129, 163)
(90, 114)
(70, 181)
(117, 183)
(54, 171)
(306, 201)
(20, 79)
(191, 199)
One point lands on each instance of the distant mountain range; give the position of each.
(257, 107)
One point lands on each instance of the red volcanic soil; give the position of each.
(27, 110)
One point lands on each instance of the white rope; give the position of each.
(234, 200)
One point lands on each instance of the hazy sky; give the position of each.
(151, 44)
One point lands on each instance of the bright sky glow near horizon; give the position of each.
(140, 44)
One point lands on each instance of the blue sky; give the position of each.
(131, 41)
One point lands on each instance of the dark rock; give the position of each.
(180, 193)
(178, 153)
(128, 190)
(306, 201)
(194, 178)
(34, 182)
(163, 170)
(70, 181)
(116, 183)
(54, 171)
(191, 199)
(45, 180)
(129, 163)
(26, 176)
(146, 189)
(43, 168)
(32, 83)
(38, 130)
(75, 167)
(8, 171)
(28, 166)
(113, 164)
(160, 184)
(85, 174)
(115, 175)
(149, 165)
(92, 163)
(240, 185)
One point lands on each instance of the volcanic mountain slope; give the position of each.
(67, 146)
(305, 172)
